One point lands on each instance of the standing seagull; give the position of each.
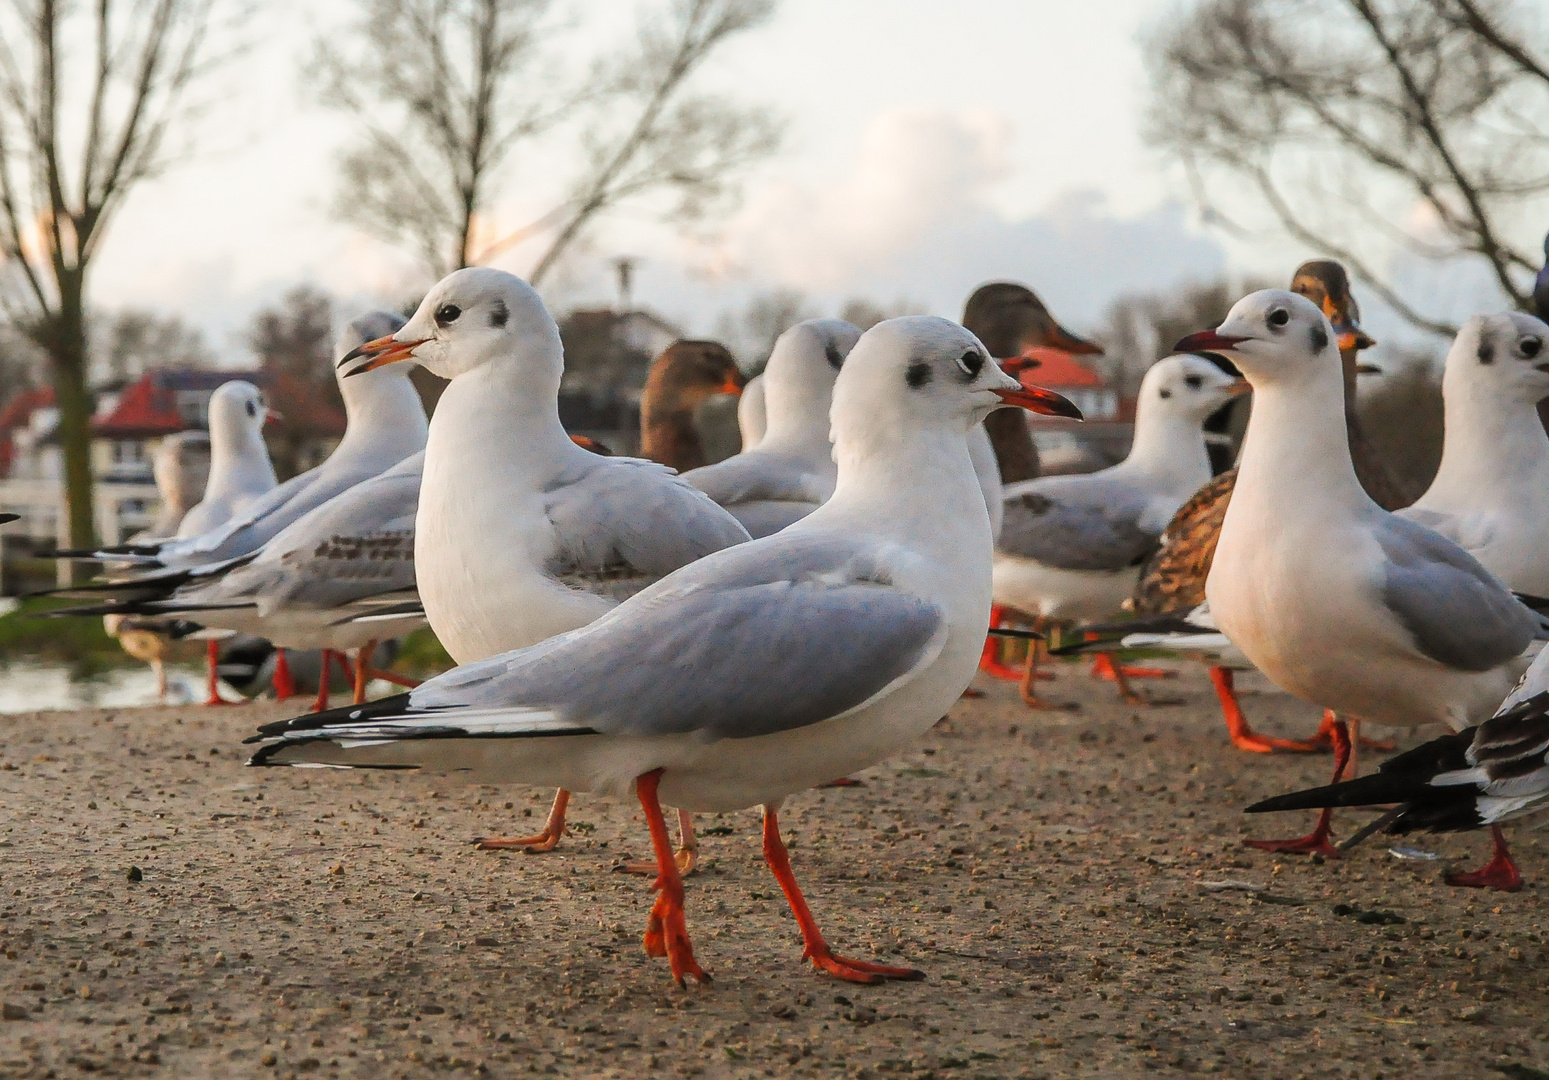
(1072, 546)
(521, 534)
(1335, 599)
(181, 469)
(1491, 493)
(760, 670)
(791, 471)
(240, 469)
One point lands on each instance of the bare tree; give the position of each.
(691, 146)
(125, 344)
(79, 129)
(1344, 114)
(444, 90)
(751, 332)
(293, 341)
(447, 90)
(1138, 330)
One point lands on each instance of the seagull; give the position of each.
(521, 534)
(685, 376)
(240, 469)
(339, 578)
(761, 669)
(1476, 778)
(181, 469)
(1335, 599)
(1072, 546)
(791, 472)
(1489, 495)
(386, 423)
(1173, 580)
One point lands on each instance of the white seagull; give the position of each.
(760, 670)
(1336, 600)
(181, 470)
(240, 469)
(521, 534)
(1491, 494)
(752, 413)
(386, 423)
(1071, 547)
(791, 472)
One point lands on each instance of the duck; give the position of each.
(686, 375)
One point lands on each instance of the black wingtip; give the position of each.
(345, 714)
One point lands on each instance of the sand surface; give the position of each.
(1073, 883)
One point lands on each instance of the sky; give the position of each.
(930, 147)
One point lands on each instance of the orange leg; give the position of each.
(1317, 841)
(321, 702)
(1030, 677)
(817, 950)
(212, 654)
(989, 659)
(547, 840)
(1499, 873)
(666, 931)
(1104, 668)
(1244, 737)
(687, 855)
(363, 670)
(1324, 737)
(284, 685)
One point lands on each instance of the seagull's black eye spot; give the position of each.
(447, 314)
(1193, 382)
(252, 409)
(1166, 393)
(1279, 317)
(918, 375)
(1530, 346)
(497, 314)
(1317, 338)
(1486, 352)
(835, 357)
(971, 362)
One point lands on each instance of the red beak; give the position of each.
(1208, 341)
(1037, 399)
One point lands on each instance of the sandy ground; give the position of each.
(1060, 877)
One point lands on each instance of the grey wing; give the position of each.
(759, 476)
(1072, 531)
(622, 524)
(1457, 612)
(701, 655)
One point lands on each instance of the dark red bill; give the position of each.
(1037, 399)
(1208, 341)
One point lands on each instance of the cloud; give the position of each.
(916, 218)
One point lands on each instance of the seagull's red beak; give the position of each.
(1037, 399)
(382, 351)
(1208, 341)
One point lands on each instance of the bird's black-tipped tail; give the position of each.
(1403, 777)
(1102, 637)
(344, 714)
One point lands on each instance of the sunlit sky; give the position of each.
(931, 147)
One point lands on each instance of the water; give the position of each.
(29, 687)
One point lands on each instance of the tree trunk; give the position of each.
(66, 347)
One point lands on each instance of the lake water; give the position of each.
(28, 687)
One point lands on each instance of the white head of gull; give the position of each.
(791, 471)
(757, 671)
(1488, 497)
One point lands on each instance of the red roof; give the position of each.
(149, 406)
(18, 413)
(1058, 370)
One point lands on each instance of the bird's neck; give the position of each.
(1169, 450)
(238, 462)
(668, 435)
(1487, 439)
(390, 422)
(486, 418)
(1297, 451)
(920, 490)
(796, 428)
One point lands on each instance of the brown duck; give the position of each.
(681, 379)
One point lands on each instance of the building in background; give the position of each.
(608, 355)
(1065, 446)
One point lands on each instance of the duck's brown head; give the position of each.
(1010, 319)
(1325, 283)
(680, 380)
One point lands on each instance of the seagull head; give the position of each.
(1188, 386)
(921, 372)
(1325, 283)
(1272, 336)
(803, 366)
(238, 414)
(470, 318)
(1506, 356)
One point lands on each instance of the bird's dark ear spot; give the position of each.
(498, 314)
(1486, 351)
(1318, 337)
(1165, 394)
(835, 357)
(919, 374)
